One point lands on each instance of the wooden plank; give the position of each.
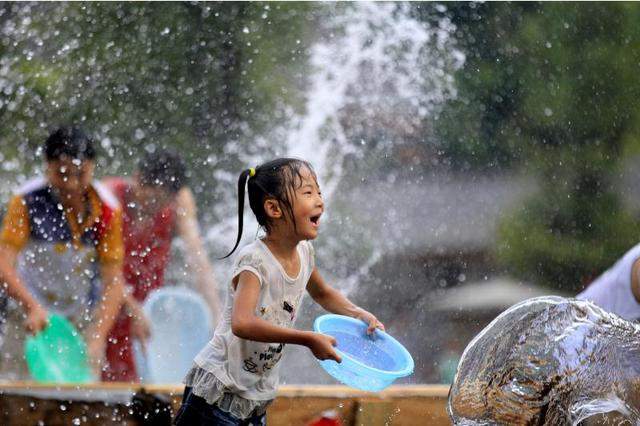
(373, 412)
(330, 391)
(396, 391)
(23, 410)
(295, 405)
(300, 411)
(429, 410)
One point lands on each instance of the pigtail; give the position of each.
(242, 182)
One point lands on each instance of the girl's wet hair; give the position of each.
(277, 179)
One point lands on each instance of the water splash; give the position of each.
(377, 74)
(378, 67)
(374, 67)
(548, 361)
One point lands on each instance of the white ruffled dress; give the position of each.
(241, 376)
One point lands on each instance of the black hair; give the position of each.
(276, 179)
(163, 168)
(69, 141)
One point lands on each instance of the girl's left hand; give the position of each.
(370, 319)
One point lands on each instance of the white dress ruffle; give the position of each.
(207, 386)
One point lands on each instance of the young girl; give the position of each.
(235, 376)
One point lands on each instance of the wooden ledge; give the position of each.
(402, 405)
(285, 391)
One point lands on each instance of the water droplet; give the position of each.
(139, 134)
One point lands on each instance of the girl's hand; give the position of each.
(370, 319)
(322, 347)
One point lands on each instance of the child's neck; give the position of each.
(281, 245)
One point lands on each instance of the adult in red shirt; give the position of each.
(156, 207)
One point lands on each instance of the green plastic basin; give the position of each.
(58, 354)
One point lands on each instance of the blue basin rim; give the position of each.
(317, 326)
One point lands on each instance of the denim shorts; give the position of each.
(195, 411)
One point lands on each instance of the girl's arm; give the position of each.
(334, 301)
(246, 325)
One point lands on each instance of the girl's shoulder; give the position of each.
(253, 248)
(251, 253)
(251, 258)
(307, 248)
(309, 254)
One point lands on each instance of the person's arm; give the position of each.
(246, 325)
(140, 327)
(196, 256)
(37, 316)
(110, 257)
(14, 235)
(334, 301)
(107, 310)
(635, 280)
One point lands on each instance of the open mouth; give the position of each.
(315, 220)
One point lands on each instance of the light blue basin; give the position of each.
(369, 363)
(181, 326)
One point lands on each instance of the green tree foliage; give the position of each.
(193, 76)
(552, 87)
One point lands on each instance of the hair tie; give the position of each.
(252, 172)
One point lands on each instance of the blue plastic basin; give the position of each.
(181, 325)
(369, 363)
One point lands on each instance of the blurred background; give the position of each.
(472, 154)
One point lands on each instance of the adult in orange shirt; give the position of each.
(61, 251)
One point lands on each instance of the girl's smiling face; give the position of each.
(308, 206)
